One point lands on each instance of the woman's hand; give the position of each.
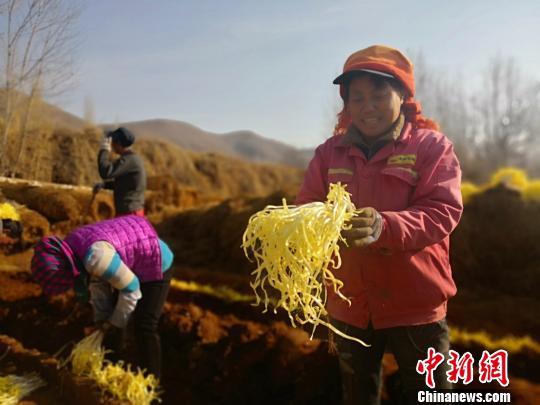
(366, 228)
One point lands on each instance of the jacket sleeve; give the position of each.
(101, 299)
(103, 262)
(315, 179)
(436, 204)
(110, 170)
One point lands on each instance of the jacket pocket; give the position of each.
(398, 184)
(405, 174)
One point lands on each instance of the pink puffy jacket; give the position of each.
(414, 182)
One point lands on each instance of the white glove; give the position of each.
(125, 305)
(105, 143)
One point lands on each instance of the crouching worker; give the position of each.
(123, 257)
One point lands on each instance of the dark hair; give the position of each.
(122, 136)
(12, 228)
(377, 80)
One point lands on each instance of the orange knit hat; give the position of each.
(389, 62)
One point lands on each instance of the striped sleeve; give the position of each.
(103, 261)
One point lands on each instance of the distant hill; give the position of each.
(179, 133)
(257, 148)
(243, 144)
(59, 117)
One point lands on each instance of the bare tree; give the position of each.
(491, 126)
(445, 99)
(37, 42)
(508, 108)
(89, 113)
(532, 123)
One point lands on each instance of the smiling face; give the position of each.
(373, 104)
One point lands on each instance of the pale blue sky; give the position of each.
(269, 66)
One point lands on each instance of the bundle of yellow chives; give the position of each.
(87, 358)
(296, 248)
(13, 387)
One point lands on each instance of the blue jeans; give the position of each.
(361, 369)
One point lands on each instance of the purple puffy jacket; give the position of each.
(132, 236)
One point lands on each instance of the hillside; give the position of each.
(244, 144)
(180, 133)
(69, 157)
(57, 116)
(255, 147)
(241, 144)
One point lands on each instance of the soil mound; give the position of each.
(62, 386)
(495, 247)
(211, 237)
(214, 352)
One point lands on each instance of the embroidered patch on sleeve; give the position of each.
(338, 170)
(402, 160)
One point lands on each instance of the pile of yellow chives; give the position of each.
(87, 359)
(13, 388)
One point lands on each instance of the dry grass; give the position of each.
(69, 157)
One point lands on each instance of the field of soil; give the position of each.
(215, 351)
(218, 349)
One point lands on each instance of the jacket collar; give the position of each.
(354, 137)
(403, 137)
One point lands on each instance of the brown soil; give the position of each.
(54, 205)
(494, 251)
(214, 351)
(62, 386)
(48, 207)
(495, 246)
(211, 237)
(35, 227)
(220, 352)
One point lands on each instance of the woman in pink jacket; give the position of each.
(405, 175)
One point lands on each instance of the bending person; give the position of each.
(120, 257)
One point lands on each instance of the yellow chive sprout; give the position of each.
(296, 249)
(124, 384)
(14, 387)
